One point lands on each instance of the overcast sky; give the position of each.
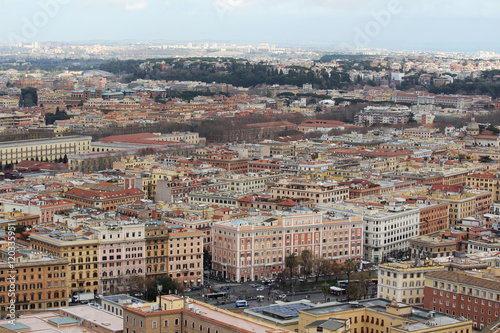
(449, 25)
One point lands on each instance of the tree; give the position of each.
(65, 159)
(207, 260)
(362, 282)
(169, 286)
(306, 259)
(336, 269)
(291, 262)
(136, 284)
(28, 97)
(325, 288)
(348, 268)
(485, 159)
(321, 266)
(353, 291)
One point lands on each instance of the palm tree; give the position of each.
(325, 288)
(306, 259)
(291, 262)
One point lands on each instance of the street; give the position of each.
(245, 291)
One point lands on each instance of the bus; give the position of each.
(345, 283)
(337, 291)
(215, 295)
(374, 282)
(241, 304)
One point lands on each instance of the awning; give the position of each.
(192, 280)
(199, 280)
(185, 281)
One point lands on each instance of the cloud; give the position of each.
(126, 4)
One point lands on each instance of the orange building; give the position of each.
(227, 162)
(254, 248)
(185, 256)
(41, 282)
(433, 218)
(106, 201)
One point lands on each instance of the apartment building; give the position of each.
(174, 137)
(462, 203)
(156, 242)
(43, 149)
(185, 256)
(249, 183)
(9, 103)
(432, 246)
(16, 119)
(19, 218)
(403, 282)
(488, 181)
(82, 252)
(227, 162)
(165, 185)
(176, 314)
(382, 115)
(106, 201)
(209, 198)
(319, 192)
(195, 222)
(388, 225)
(265, 202)
(434, 217)
(43, 206)
(480, 245)
(254, 248)
(263, 165)
(41, 281)
(379, 316)
(121, 254)
(467, 294)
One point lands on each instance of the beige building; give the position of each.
(404, 281)
(432, 247)
(319, 192)
(82, 253)
(175, 314)
(248, 183)
(43, 149)
(380, 316)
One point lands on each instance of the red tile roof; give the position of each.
(91, 194)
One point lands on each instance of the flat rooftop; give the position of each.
(47, 322)
(97, 316)
(235, 321)
(419, 319)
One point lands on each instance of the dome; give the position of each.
(327, 102)
(472, 125)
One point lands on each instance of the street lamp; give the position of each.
(160, 288)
